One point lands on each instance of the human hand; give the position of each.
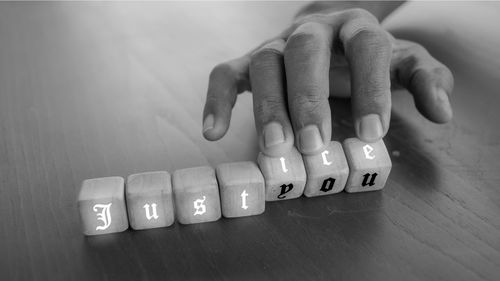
(344, 53)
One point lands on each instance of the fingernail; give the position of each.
(444, 101)
(310, 139)
(208, 123)
(273, 134)
(370, 128)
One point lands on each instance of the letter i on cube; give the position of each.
(241, 187)
(327, 172)
(285, 176)
(196, 195)
(149, 200)
(101, 203)
(369, 163)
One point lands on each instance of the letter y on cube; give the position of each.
(285, 176)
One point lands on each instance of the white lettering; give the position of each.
(325, 161)
(244, 195)
(367, 149)
(148, 215)
(199, 206)
(283, 165)
(103, 215)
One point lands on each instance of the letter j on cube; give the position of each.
(101, 203)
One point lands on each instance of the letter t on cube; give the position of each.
(101, 203)
(196, 195)
(149, 200)
(241, 187)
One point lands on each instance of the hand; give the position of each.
(293, 75)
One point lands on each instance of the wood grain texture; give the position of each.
(98, 89)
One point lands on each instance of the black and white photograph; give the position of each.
(249, 140)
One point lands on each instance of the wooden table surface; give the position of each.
(103, 89)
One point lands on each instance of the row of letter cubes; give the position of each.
(202, 194)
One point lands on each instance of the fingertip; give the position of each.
(312, 139)
(214, 128)
(432, 97)
(208, 123)
(369, 128)
(277, 150)
(275, 140)
(442, 112)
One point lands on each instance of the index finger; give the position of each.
(226, 81)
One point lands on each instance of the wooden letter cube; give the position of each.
(369, 163)
(196, 195)
(149, 200)
(327, 172)
(241, 189)
(101, 203)
(285, 176)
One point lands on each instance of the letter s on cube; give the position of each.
(196, 195)
(101, 203)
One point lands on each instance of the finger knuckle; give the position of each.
(443, 71)
(360, 13)
(367, 38)
(416, 50)
(314, 17)
(377, 91)
(415, 66)
(431, 70)
(372, 35)
(308, 101)
(265, 58)
(416, 58)
(375, 98)
(269, 107)
(222, 69)
(309, 36)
